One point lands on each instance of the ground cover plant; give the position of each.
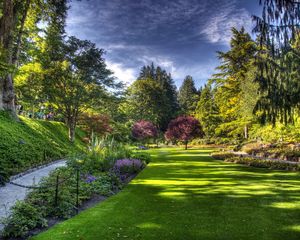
(102, 171)
(27, 143)
(189, 195)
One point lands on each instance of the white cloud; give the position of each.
(161, 61)
(218, 28)
(126, 75)
(200, 73)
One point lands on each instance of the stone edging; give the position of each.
(15, 177)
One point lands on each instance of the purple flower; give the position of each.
(142, 148)
(90, 178)
(127, 166)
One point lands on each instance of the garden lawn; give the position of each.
(188, 195)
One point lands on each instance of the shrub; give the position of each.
(126, 167)
(23, 218)
(143, 156)
(262, 163)
(222, 155)
(101, 156)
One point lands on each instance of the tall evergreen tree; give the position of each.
(207, 111)
(168, 86)
(146, 101)
(233, 70)
(277, 29)
(188, 96)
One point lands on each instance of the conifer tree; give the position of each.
(188, 96)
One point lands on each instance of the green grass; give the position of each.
(189, 195)
(22, 143)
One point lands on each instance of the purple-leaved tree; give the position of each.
(184, 129)
(144, 130)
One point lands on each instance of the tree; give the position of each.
(207, 111)
(144, 130)
(168, 86)
(80, 77)
(12, 21)
(184, 129)
(18, 30)
(94, 123)
(188, 96)
(277, 29)
(228, 82)
(279, 23)
(145, 100)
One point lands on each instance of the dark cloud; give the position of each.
(180, 35)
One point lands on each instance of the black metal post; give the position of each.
(77, 192)
(56, 191)
(45, 156)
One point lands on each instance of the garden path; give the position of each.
(10, 193)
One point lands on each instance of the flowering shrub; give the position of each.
(126, 167)
(144, 130)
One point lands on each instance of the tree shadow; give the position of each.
(176, 198)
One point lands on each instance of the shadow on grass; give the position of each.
(194, 197)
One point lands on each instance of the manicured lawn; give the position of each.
(187, 195)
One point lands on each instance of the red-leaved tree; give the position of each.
(144, 130)
(184, 129)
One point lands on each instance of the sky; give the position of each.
(181, 36)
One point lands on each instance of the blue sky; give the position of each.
(182, 36)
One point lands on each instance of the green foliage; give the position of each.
(101, 155)
(222, 155)
(23, 143)
(24, 217)
(262, 163)
(97, 177)
(188, 96)
(207, 111)
(143, 156)
(230, 83)
(168, 98)
(146, 100)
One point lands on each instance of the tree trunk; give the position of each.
(246, 132)
(8, 97)
(186, 145)
(72, 127)
(7, 101)
(17, 49)
(7, 27)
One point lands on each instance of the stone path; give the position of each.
(10, 194)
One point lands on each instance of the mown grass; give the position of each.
(23, 143)
(189, 195)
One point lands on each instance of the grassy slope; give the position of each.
(188, 195)
(22, 144)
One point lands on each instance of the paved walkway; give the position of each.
(10, 194)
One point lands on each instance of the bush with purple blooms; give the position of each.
(124, 168)
(142, 148)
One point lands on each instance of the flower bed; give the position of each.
(103, 171)
(262, 163)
